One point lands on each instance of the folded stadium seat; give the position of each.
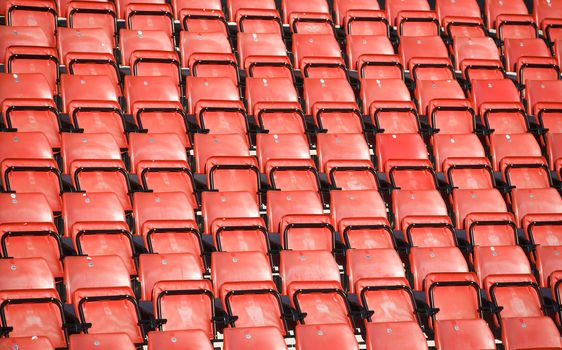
(417, 23)
(535, 201)
(542, 231)
(421, 47)
(173, 236)
(428, 260)
(233, 6)
(228, 267)
(490, 229)
(457, 319)
(359, 46)
(307, 232)
(364, 266)
(477, 50)
(155, 268)
(382, 90)
(454, 123)
(200, 17)
(227, 205)
(184, 306)
(328, 336)
(94, 164)
(424, 68)
(408, 147)
(428, 90)
(391, 315)
(92, 102)
(474, 190)
(259, 20)
(27, 166)
(320, 303)
(536, 68)
(280, 117)
(356, 204)
(318, 56)
(304, 268)
(208, 54)
(123, 4)
(27, 105)
(240, 235)
(42, 14)
(28, 295)
(516, 27)
(200, 90)
(516, 50)
(269, 90)
(181, 339)
(31, 343)
(160, 206)
(539, 93)
(22, 274)
(341, 9)
(366, 22)
(338, 117)
(274, 147)
(292, 175)
(283, 203)
(547, 16)
(538, 332)
(380, 67)
(25, 208)
(207, 147)
(139, 40)
(291, 8)
(155, 103)
(460, 20)
(312, 22)
(394, 7)
(395, 117)
(318, 91)
(88, 14)
(23, 36)
(156, 63)
(495, 8)
(148, 16)
(32, 240)
(509, 145)
(88, 51)
(366, 233)
(117, 341)
(263, 55)
(499, 260)
(474, 69)
(351, 175)
(254, 338)
(342, 147)
(231, 174)
(33, 313)
(100, 290)
(29, 59)
(222, 117)
(243, 299)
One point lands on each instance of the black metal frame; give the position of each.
(432, 65)
(94, 11)
(497, 309)
(169, 170)
(119, 170)
(378, 111)
(503, 110)
(509, 223)
(225, 62)
(309, 65)
(47, 233)
(540, 223)
(411, 168)
(468, 166)
(150, 13)
(81, 109)
(434, 285)
(260, 17)
(13, 108)
(516, 23)
(430, 225)
(380, 64)
(279, 110)
(169, 60)
(15, 7)
(367, 19)
(419, 20)
(218, 167)
(525, 166)
(452, 109)
(203, 110)
(335, 169)
(158, 230)
(232, 318)
(209, 16)
(463, 24)
(110, 62)
(92, 232)
(259, 228)
(176, 110)
(369, 313)
(322, 110)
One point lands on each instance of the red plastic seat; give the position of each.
(154, 268)
(382, 90)
(25, 208)
(292, 175)
(258, 337)
(243, 299)
(29, 59)
(208, 54)
(407, 334)
(535, 332)
(469, 49)
(117, 341)
(90, 14)
(263, 55)
(304, 268)
(399, 147)
(34, 313)
(421, 47)
(307, 232)
(351, 174)
(149, 16)
(325, 90)
(428, 90)
(364, 265)
(226, 205)
(359, 47)
(500, 260)
(42, 14)
(164, 206)
(417, 23)
(356, 204)
(240, 235)
(517, 49)
(229, 267)
(329, 337)
(379, 67)
(494, 8)
(320, 49)
(26, 274)
(206, 147)
(200, 89)
(269, 90)
(282, 203)
(273, 147)
(182, 339)
(31, 343)
(425, 261)
(366, 233)
(139, 40)
(79, 149)
(342, 7)
(23, 36)
(174, 300)
(341, 147)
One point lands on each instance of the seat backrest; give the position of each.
(25, 274)
(76, 147)
(150, 206)
(220, 205)
(307, 266)
(361, 203)
(179, 340)
(144, 149)
(116, 341)
(90, 207)
(456, 295)
(206, 146)
(25, 207)
(282, 203)
(239, 267)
